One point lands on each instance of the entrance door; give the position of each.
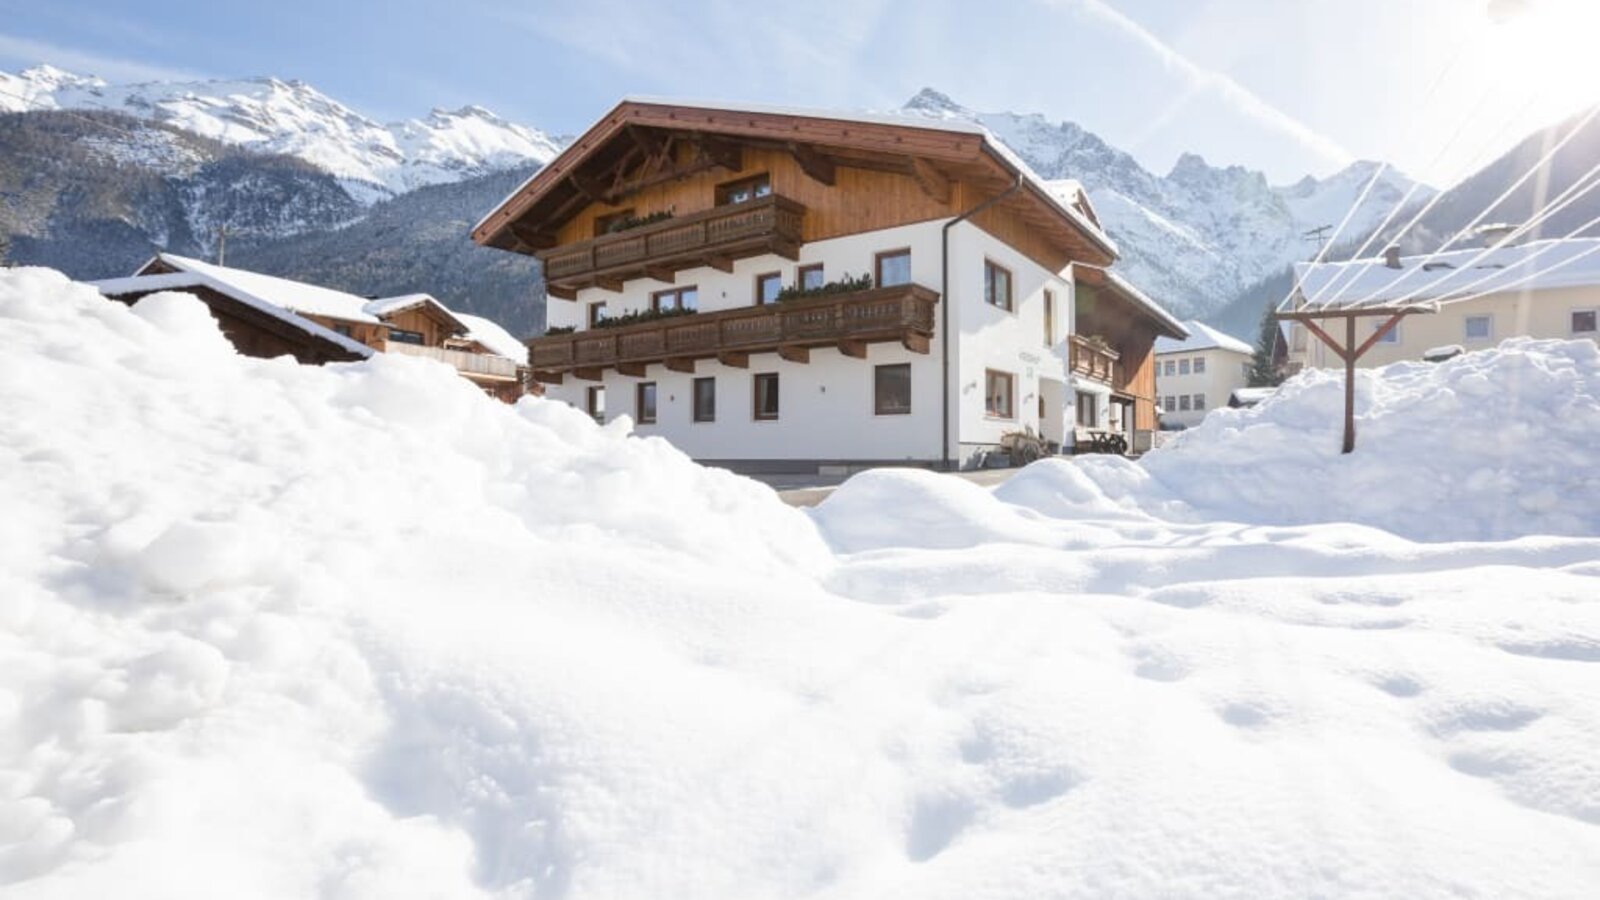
(1052, 410)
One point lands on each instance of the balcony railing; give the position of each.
(464, 362)
(903, 313)
(1092, 361)
(767, 225)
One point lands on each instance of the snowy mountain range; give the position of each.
(371, 159)
(1197, 237)
(1200, 235)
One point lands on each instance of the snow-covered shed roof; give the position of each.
(1202, 337)
(498, 340)
(489, 228)
(388, 306)
(1099, 276)
(1536, 265)
(291, 295)
(177, 281)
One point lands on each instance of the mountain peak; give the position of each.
(931, 102)
(47, 76)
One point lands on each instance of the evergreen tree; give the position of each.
(5, 247)
(1263, 372)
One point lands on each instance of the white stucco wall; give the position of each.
(1225, 371)
(826, 405)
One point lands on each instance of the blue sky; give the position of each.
(1286, 86)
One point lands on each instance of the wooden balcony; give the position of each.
(713, 237)
(1090, 360)
(480, 365)
(904, 313)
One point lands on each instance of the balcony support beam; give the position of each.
(546, 377)
(916, 343)
(589, 373)
(661, 273)
(559, 292)
(794, 354)
(817, 166)
(720, 263)
(853, 349)
(614, 285)
(680, 364)
(632, 370)
(734, 360)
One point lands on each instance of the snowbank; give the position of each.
(1487, 445)
(358, 632)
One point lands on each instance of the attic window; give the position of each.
(744, 190)
(1429, 267)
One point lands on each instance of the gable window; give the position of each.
(676, 298)
(1049, 318)
(1169, 367)
(597, 311)
(998, 394)
(996, 285)
(1199, 401)
(1199, 365)
(1583, 321)
(766, 396)
(767, 288)
(1183, 403)
(1478, 328)
(596, 403)
(644, 401)
(744, 190)
(705, 399)
(809, 277)
(604, 225)
(891, 389)
(402, 336)
(1088, 407)
(892, 268)
(1183, 367)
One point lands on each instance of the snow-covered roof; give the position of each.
(384, 307)
(1202, 337)
(173, 281)
(498, 340)
(1011, 159)
(1537, 265)
(292, 295)
(1250, 396)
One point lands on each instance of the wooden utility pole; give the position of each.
(1349, 351)
(222, 245)
(1314, 235)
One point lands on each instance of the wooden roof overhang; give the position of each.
(1134, 305)
(624, 153)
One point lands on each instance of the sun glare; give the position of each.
(1548, 44)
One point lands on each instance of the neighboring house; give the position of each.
(266, 316)
(1199, 373)
(775, 289)
(1545, 289)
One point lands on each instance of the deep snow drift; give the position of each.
(357, 631)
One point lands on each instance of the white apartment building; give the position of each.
(1197, 374)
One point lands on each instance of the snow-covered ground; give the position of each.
(356, 631)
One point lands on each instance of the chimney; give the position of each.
(1391, 256)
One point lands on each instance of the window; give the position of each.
(891, 389)
(996, 285)
(644, 402)
(1183, 366)
(342, 329)
(1392, 336)
(596, 403)
(597, 311)
(605, 224)
(744, 190)
(1169, 367)
(767, 288)
(705, 399)
(1183, 403)
(1583, 321)
(892, 268)
(1088, 409)
(676, 298)
(1199, 401)
(1170, 404)
(1478, 328)
(766, 396)
(402, 336)
(997, 394)
(1199, 365)
(1049, 318)
(809, 277)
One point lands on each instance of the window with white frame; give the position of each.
(1169, 367)
(1199, 401)
(1478, 328)
(1183, 366)
(1183, 403)
(1170, 404)
(1199, 365)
